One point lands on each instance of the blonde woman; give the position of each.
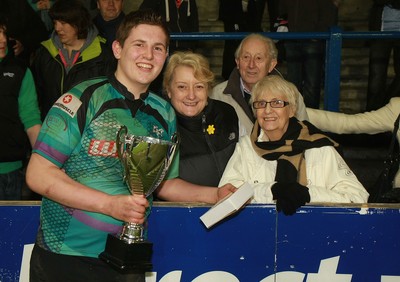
(208, 128)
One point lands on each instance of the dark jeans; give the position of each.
(305, 63)
(236, 21)
(11, 185)
(379, 93)
(46, 266)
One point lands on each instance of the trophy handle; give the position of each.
(121, 148)
(121, 135)
(175, 139)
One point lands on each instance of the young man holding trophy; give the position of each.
(105, 145)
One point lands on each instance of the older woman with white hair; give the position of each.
(287, 161)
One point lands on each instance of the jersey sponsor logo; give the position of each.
(102, 148)
(67, 99)
(68, 103)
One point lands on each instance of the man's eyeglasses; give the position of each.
(273, 104)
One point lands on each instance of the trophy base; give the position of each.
(127, 257)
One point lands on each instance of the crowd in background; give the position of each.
(77, 72)
(43, 44)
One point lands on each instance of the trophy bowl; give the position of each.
(145, 161)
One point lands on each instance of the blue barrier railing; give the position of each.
(357, 243)
(333, 40)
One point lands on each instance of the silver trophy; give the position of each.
(146, 161)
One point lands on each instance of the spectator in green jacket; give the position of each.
(19, 118)
(75, 52)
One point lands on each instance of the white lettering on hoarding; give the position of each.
(326, 272)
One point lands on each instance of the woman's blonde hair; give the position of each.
(199, 64)
(277, 85)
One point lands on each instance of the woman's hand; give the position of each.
(290, 196)
(43, 5)
(225, 191)
(18, 47)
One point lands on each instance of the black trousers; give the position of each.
(380, 90)
(48, 266)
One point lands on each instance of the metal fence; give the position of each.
(333, 39)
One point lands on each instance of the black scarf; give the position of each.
(289, 150)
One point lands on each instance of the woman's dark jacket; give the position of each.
(207, 142)
(51, 78)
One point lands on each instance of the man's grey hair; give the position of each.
(273, 51)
